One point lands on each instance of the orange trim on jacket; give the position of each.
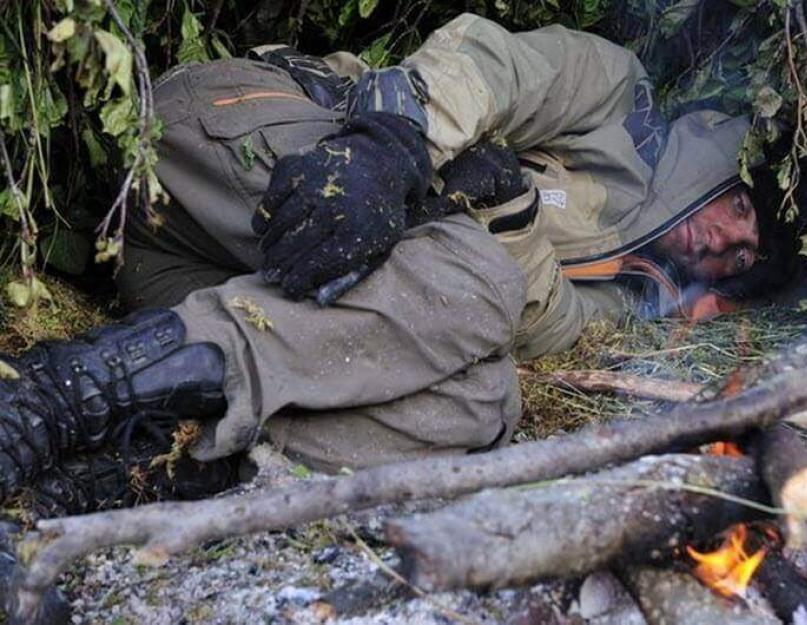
(703, 307)
(259, 95)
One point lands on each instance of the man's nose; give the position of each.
(725, 236)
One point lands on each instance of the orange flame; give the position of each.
(729, 569)
(725, 448)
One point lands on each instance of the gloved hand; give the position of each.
(483, 176)
(341, 207)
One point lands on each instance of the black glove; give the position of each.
(341, 207)
(483, 176)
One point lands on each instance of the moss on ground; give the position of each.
(69, 313)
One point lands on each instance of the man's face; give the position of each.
(718, 241)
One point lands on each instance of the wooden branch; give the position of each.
(168, 528)
(572, 527)
(670, 598)
(782, 456)
(615, 382)
(782, 585)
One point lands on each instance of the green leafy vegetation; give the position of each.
(78, 133)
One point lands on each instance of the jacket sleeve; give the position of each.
(531, 87)
(554, 322)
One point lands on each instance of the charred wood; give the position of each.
(572, 527)
(783, 586)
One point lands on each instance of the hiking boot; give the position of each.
(103, 480)
(72, 395)
(115, 478)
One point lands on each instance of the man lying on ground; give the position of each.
(361, 309)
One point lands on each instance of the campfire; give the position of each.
(729, 569)
(682, 533)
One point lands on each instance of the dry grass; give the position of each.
(664, 349)
(68, 314)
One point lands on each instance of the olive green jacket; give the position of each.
(611, 175)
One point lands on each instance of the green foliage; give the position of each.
(74, 87)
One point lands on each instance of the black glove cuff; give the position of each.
(397, 139)
(397, 90)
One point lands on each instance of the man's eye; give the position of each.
(743, 260)
(740, 207)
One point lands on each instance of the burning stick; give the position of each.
(572, 527)
(728, 569)
(782, 457)
(610, 382)
(670, 598)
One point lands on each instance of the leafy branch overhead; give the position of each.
(78, 130)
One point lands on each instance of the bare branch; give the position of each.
(567, 528)
(119, 207)
(614, 382)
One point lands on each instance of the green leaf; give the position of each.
(366, 7)
(377, 54)
(348, 13)
(247, 153)
(6, 102)
(220, 49)
(7, 372)
(9, 205)
(768, 102)
(118, 59)
(751, 154)
(784, 173)
(65, 29)
(54, 105)
(96, 151)
(117, 116)
(192, 48)
(67, 250)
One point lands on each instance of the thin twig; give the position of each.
(611, 381)
(28, 240)
(214, 15)
(145, 123)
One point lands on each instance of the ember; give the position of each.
(725, 448)
(728, 569)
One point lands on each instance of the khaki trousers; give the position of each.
(415, 360)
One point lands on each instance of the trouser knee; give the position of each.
(474, 410)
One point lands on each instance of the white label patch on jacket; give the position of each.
(553, 197)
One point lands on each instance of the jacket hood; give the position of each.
(699, 163)
(597, 219)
